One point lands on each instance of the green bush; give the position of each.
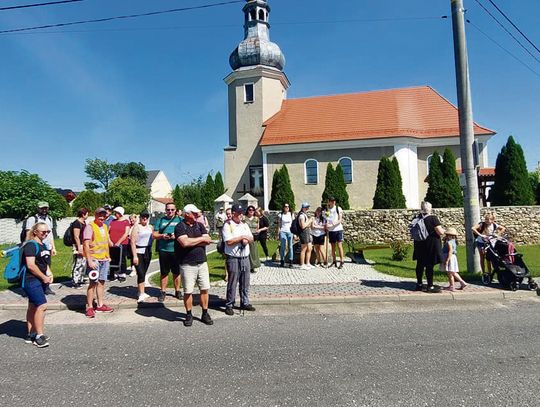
(400, 250)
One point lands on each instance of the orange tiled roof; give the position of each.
(418, 112)
(164, 200)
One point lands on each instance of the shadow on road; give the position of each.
(13, 328)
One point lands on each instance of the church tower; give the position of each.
(257, 88)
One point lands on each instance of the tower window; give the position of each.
(261, 15)
(311, 171)
(346, 166)
(248, 93)
(253, 15)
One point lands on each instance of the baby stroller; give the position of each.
(507, 263)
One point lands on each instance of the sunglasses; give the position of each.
(45, 232)
(170, 210)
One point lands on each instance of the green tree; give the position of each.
(435, 193)
(330, 182)
(90, 200)
(21, 191)
(131, 170)
(208, 194)
(453, 195)
(512, 185)
(388, 192)
(101, 171)
(178, 197)
(218, 183)
(281, 190)
(534, 181)
(128, 193)
(342, 197)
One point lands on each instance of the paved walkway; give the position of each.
(276, 285)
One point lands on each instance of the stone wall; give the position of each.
(374, 225)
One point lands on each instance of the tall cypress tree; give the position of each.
(512, 186)
(281, 190)
(288, 193)
(275, 199)
(453, 195)
(397, 186)
(219, 186)
(329, 183)
(435, 193)
(208, 194)
(342, 197)
(381, 199)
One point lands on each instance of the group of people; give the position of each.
(432, 251)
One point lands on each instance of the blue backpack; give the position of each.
(15, 271)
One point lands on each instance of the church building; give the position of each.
(267, 130)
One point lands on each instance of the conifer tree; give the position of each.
(178, 197)
(330, 182)
(381, 199)
(208, 194)
(288, 193)
(219, 186)
(281, 190)
(397, 186)
(342, 197)
(512, 186)
(435, 192)
(453, 196)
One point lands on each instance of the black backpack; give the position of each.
(22, 236)
(68, 235)
(295, 226)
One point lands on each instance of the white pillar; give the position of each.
(265, 179)
(407, 157)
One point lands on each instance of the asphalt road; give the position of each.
(321, 355)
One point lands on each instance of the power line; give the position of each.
(504, 49)
(50, 3)
(513, 25)
(373, 20)
(507, 31)
(123, 17)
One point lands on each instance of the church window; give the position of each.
(347, 167)
(311, 171)
(261, 15)
(253, 15)
(248, 93)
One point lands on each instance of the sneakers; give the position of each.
(433, 289)
(142, 297)
(161, 296)
(206, 319)
(248, 307)
(340, 265)
(30, 338)
(178, 295)
(419, 287)
(133, 274)
(229, 311)
(90, 313)
(104, 308)
(304, 267)
(48, 291)
(189, 320)
(122, 277)
(282, 263)
(41, 341)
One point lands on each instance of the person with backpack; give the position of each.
(43, 216)
(334, 225)
(427, 246)
(285, 220)
(164, 235)
(304, 223)
(36, 257)
(79, 261)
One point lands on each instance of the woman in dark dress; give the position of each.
(264, 225)
(427, 253)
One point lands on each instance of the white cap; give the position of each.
(119, 210)
(191, 209)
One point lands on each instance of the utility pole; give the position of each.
(466, 133)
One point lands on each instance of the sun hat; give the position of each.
(119, 210)
(451, 232)
(190, 208)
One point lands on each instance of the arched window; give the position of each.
(428, 162)
(253, 15)
(261, 15)
(311, 170)
(347, 167)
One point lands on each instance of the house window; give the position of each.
(248, 93)
(346, 166)
(311, 171)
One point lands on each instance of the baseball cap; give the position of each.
(107, 207)
(305, 205)
(332, 198)
(190, 208)
(119, 210)
(42, 204)
(144, 214)
(237, 208)
(100, 210)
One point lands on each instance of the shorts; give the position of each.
(305, 237)
(168, 264)
(336, 236)
(35, 291)
(103, 269)
(318, 240)
(195, 273)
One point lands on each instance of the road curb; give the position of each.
(298, 300)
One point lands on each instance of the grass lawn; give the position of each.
(216, 264)
(406, 268)
(61, 264)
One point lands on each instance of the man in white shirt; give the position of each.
(237, 238)
(334, 225)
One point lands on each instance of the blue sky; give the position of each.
(151, 89)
